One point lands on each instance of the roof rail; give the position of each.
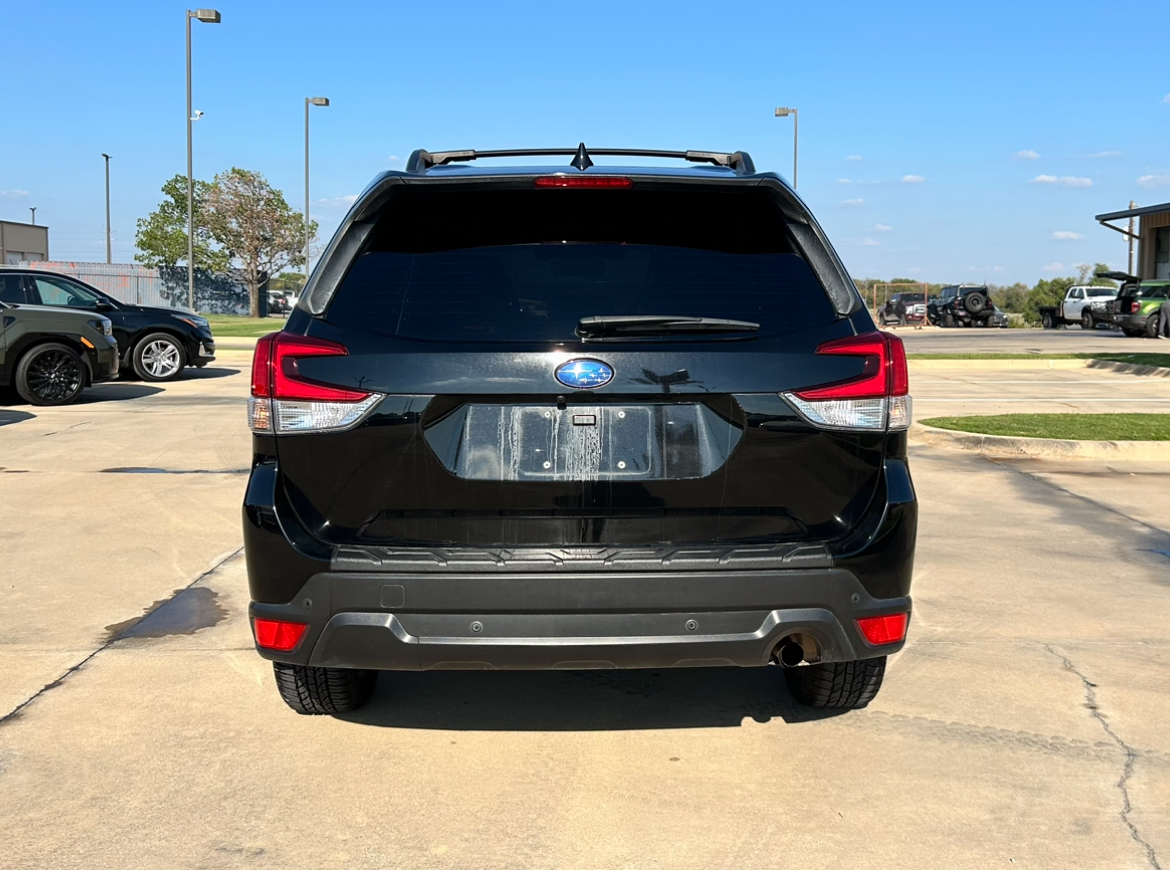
(740, 161)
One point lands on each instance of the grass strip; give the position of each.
(1140, 359)
(234, 326)
(1073, 427)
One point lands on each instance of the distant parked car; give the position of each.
(962, 305)
(1089, 306)
(915, 308)
(50, 354)
(1136, 307)
(278, 303)
(157, 343)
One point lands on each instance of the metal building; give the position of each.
(21, 242)
(1152, 236)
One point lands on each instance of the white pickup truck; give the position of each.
(1086, 305)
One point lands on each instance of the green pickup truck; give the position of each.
(1136, 309)
(52, 354)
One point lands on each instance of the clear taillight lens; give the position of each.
(283, 402)
(877, 399)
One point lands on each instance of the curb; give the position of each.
(235, 343)
(1039, 448)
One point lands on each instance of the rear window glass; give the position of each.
(1152, 291)
(527, 265)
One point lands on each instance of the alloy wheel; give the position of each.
(54, 375)
(160, 358)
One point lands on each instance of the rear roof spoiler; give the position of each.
(739, 161)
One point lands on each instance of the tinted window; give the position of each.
(522, 266)
(11, 289)
(1099, 291)
(65, 294)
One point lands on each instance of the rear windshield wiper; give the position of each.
(659, 324)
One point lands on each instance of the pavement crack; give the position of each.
(1130, 756)
(15, 712)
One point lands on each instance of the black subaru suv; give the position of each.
(156, 343)
(574, 416)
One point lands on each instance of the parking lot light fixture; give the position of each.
(784, 112)
(309, 101)
(207, 16)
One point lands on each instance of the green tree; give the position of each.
(1011, 298)
(1046, 292)
(256, 226)
(286, 281)
(162, 235)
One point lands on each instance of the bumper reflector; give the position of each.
(884, 629)
(277, 635)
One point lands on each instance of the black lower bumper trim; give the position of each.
(544, 621)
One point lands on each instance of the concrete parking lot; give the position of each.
(1023, 725)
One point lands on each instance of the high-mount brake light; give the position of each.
(284, 401)
(880, 630)
(278, 635)
(878, 398)
(612, 182)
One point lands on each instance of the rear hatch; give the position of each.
(578, 367)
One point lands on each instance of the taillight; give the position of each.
(1134, 306)
(278, 635)
(604, 181)
(880, 630)
(878, 398)
(283, 400)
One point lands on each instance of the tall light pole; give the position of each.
(309, 101)
(784, 113)
(34, 215)
(109, 256)
(207, 16)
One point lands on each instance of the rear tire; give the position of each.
(975, 303)
(839, 685)
(948, 320)
(1151, 330)
(315, 691)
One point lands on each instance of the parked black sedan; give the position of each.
(157, 343)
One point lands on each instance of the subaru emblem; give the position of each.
(584, 374)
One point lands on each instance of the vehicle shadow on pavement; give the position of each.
(603, 700)
(116, 393)
(9, 416)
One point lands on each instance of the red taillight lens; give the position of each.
(885, 372)
(605, 181)
(884, 629)
(278, 635)
(899, 370)
(261, 362)
(287, 382)
(1134, 306)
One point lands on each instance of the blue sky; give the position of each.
(1021, 119)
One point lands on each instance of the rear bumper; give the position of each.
(419, 610)
(585, 620)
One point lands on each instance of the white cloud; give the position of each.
(1104, 154)
(1160, 180)
(853, 157)
(853, 202)
(844, 180)
(997, 269)
(1166, 99)
(13, 194)
(882, 228)
(394, 158)
(337, 201)
(912, 179)
(1054, 267)
(1064, 180)
(1067, 235)
(870, 243)
(1027, 154)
